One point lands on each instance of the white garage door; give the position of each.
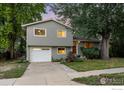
(40, 55)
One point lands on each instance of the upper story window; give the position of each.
(40, 32)
(61, 33)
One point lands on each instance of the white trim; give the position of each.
(40, 35)
(62, 30)
(61, 54)
(77, 49)
(45, 21)
(26, 48)
(27, 52)
(36, 48)
(40, 48)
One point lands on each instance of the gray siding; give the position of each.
(54, 52)
(51, 39)
(79, 49)
(56, 56)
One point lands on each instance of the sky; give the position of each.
(49, 14)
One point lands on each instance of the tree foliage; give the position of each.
(117, 44)
(12, 16)
(98, 20)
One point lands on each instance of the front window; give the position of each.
(40, 32)
(88, 45)
(61, 51)
(61, 34)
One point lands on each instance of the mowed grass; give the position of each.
(96, 64)
(103, 79)
(13, 69)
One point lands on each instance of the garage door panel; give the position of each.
(40, 55)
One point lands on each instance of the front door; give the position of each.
(74, 48)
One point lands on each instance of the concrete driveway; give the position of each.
(47, 73)
(53, 74)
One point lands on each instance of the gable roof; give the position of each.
(85, 39)
(29, 24)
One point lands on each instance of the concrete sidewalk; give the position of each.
(7, 82)
(96, 72)
(53, 74)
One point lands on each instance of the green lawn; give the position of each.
(12, 69)
(88, 65)
(104, 79)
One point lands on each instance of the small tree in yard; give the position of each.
(93, 20)
(70, 57)
(14, 15)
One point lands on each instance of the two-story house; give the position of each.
(50, 39)
(47, 40)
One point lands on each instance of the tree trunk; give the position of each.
(12, 50)
(11, 53)
(105, 47)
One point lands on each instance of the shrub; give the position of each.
(116, 50)
(2, 53)
(58, 60)
(91, 53)
(70, 57)
(22, 61)
(78, 59)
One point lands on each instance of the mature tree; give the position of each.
(3, 19)
(94, 20)
(117, 43)
(17, 14)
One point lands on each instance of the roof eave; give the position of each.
(25, 25)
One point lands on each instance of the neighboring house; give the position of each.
(50, 39)
(79, 42)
